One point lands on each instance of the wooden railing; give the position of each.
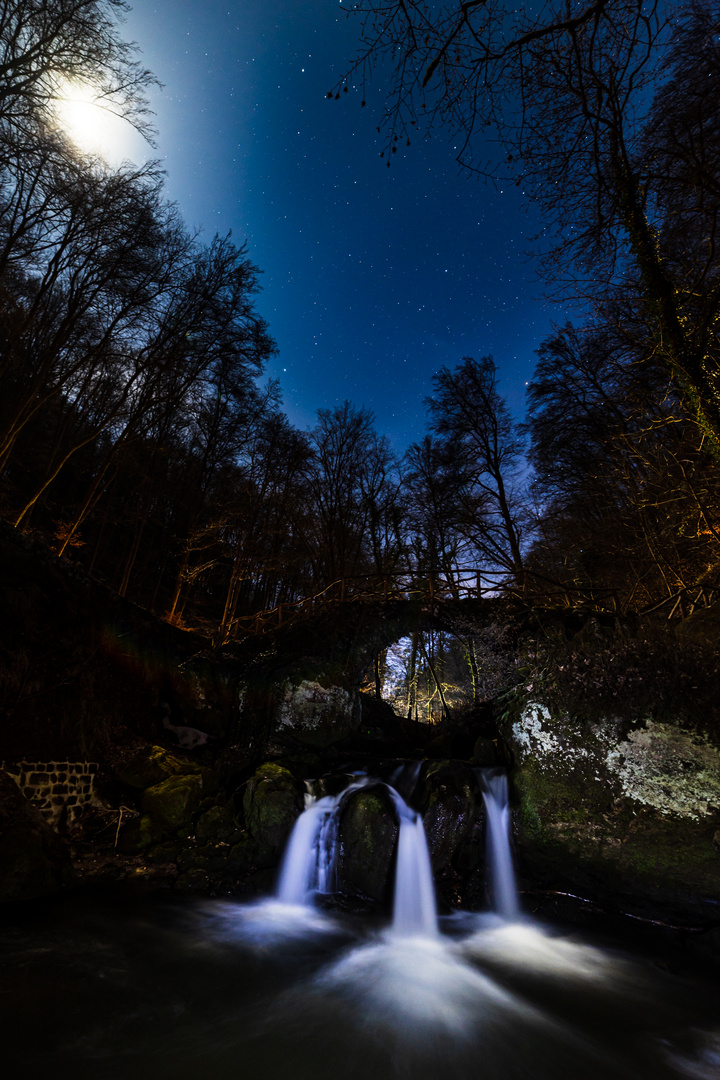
(467, 584)
(371, 588)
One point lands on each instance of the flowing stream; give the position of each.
(502, 887)
(125, 988)
(414, 907)
(309, 865)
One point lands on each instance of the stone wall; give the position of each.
(56, 787)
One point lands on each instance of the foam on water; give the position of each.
(419, 985)
(525, 946)
(266, 923)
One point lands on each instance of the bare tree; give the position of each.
(607, 114)
(46, 43)
(470, 417)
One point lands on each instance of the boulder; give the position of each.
(623, 813)
(139, 834)
(151, 765)
(368, 837)
(702, 627)
(34, 860)
(173, 803)
(272, 802)
(217, 823)
(317, 715)
(449, 806)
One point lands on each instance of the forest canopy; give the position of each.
(136, 434)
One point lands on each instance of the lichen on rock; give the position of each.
(670, 769)
(548, 739)
(629, 808)
(317, 715)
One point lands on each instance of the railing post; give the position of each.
(280, 617)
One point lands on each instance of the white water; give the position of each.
(503, 887)
(414, 907)
(281, 989)
(310, 862)
(309, 865)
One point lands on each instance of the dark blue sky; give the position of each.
(373, 278)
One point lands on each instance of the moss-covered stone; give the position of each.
(272, 802)
(368, 835)
(166, 852)
(622, 813)
(194, 880)
(189, 858)
(217, 823)
(241, 857)
(140, 834)
(173, 803)
(150, 766)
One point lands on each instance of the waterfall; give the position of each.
(414, 907)
(310, 862)
(404, 778)
(493, 783)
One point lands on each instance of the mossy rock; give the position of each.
(240, 858)
(150, 766)
(189, 858)
(368, 834)
(140, 834)
(624, 816)
(173, 803)
(217, 823)
(194, 880)
(166, 852)
(272, 802)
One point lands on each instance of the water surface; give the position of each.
(121, 988)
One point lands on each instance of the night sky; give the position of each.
(372, 277)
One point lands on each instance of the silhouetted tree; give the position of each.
(46, 43)
(353, 491)
(433, 482)
(474, 425)
(608, 116)
(630, 501)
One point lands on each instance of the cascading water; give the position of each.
(493, 784)
(309, 865)
(310, 862)
(284, 989)
(414, 907)
(404, 778)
